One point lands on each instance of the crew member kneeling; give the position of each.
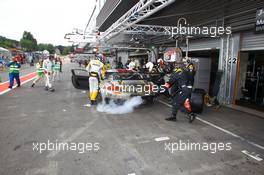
(95, 69)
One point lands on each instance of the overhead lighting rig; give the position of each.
(142, 10)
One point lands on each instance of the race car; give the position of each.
(118, 85)
(122, 84)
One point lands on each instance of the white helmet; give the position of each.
(46, 53)
(173, 55)
(99, 57)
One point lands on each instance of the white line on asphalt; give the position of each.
(24, 82)
(163, 102)
(87, 105)
(145, 141)
(256, 157)
(221, 129)
(132, 174)
(161, 139)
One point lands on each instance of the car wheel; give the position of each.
(107, 100)
(149, 100)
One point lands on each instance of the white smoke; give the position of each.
(127, 107)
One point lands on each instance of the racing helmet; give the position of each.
(99, 57)
(173, 55)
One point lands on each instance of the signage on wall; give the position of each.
(232, 60)
(259, 25)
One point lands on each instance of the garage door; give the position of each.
(251, 41)
(204, 44)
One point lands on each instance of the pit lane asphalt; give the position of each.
(127, 142)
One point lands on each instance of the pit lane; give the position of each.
(127, 142)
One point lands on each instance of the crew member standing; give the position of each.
(56, 70)
(190, 71)
(107, 65)
(179, 92)
(132, 65)
(40, 72)
(47, 66)
(95, 69)
(14, 72)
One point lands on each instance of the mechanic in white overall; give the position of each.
(95, 69)
(47, 66)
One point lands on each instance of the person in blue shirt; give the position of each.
(14, 67)
(1, 59)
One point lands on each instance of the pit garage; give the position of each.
(250, 82)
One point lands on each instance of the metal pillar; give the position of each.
(230, 46)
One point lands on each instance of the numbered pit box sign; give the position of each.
(259, 25)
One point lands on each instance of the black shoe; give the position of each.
(10, 87)
(18, 86)
(51, 89)
(93, 102)
(172, 118)
(33, 85)
(191, 117)
(46, 88)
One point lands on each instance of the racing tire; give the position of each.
(149, 100)
(197, 102)
(107, 100)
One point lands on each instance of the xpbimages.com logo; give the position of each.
(212, 147)
(65, 146)
(141, 89)
(205, 30)
(186, 29)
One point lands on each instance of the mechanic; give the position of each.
(40, 72)
(179, 92)
(56, 70)
(120, 64)
(190, 71)
(47, 66)
(127, 63)
(14, 72)
(107, 65)
(132, 65)
(96, 72)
